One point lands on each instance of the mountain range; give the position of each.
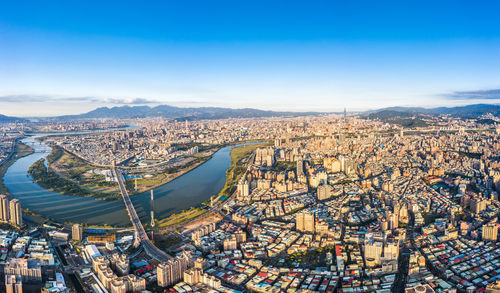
(409, 114)
(469, 111)
(172, 112)
(8, 119)
(419, 117)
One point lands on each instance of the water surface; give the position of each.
(190, 189)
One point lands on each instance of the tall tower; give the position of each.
(300, 167)
(4, 208)
(76, 234)
(152, 209)
(345, 114)
(137, 240)
(16, 213)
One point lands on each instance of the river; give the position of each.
(188, 190)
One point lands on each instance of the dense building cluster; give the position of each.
(333, 204)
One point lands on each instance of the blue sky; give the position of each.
(59, 57)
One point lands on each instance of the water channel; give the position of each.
(190, 189)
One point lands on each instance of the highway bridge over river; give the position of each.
(140, 233)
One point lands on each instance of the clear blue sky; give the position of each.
(60, 57)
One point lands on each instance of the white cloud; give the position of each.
(48, 98)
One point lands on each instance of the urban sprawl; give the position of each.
(333, 203)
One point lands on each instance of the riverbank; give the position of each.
(190, 190)
(47, 178)
(90, 182)
(168, 174)
(68, 174)
(239, 159)
(76, 177)
(22, 150)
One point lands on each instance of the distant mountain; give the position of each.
(402, 118)
(8, 119)
(179, 113)
(416, 117)
(469, 111)
(406, 116)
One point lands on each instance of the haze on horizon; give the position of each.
(63, 57)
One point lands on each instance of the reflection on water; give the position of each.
(184, 192)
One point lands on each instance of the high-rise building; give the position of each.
(373, 251)
(321, 227)
(118, 286)
(478, 204)
(120, 264)
(324, 191)
(193, 276)
(392, 220)
(13, 284)
(243, 188)
(304, 221)
(4, 208)
(16, 213)
(391, 250)
(77, 232)
(171, 272)
(135, 284)
(300, 168)
(28, 269)
(299, 221)
(332, 164)
(230, 243)
(490, 232)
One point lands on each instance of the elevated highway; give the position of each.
(140, 233)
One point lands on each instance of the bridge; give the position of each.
(140, 233)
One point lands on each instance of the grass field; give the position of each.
(168, 174)
(181, 218)
(49, 179)
(75, 169)
(166, 241)
(67, 174)
(284, 165)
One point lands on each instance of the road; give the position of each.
(404, 255)
(141, 234)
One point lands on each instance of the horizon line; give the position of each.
(340, 111)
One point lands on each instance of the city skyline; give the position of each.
(62, 58)
(249, 146)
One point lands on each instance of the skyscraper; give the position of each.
(28, 269)
(77, 232)
(4, 208)
(300, 168)
(171, 272)
(324, 191)
(243, 188)
(490, 232)
(373, 251)
(304, 221)
(16, 213)
(478, 204)
(13, 284)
